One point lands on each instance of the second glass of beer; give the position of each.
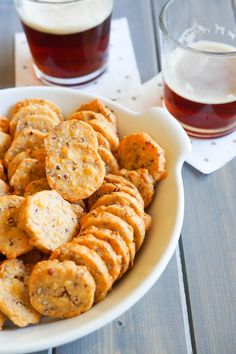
(68, 39)
(199, 65)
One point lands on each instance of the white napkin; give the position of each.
(208, 155)
(121, 79)
(121, 83)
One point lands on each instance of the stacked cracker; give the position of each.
(62, 260)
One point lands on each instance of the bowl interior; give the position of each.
(166, 210)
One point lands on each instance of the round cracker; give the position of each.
(109, 159)
(40, 102)
(13, 240)
(122, 199)
(111, 178)
(103, 219)
(15, 162)
(14, 293)
(69, 133)
(48, 220)
(28, 139)
(85, 256)
(36, 186)
(107, 131)
(116, 242)
(102, 141)
(4, 125)
(5, 142)
(41, 122)
(128, 215)
(31, 110)
(27, 171)
(99, 107)
(139, 150)
(143, 181)
(147, 221)
(86, 116)
(2, 171)
(105, 251)
(78, 210)
(61, 289)
(4, 188)
(75, 172)
(107, 188)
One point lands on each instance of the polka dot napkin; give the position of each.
(121, 83)
(121, 79)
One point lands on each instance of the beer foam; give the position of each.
(202, 78)
(64, 18)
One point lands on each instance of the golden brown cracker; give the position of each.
(76, 172)
(127, 214)
(48, 220)
(116, 242)
(107, 131)
(102, 141)
(103, 219)
(14, 293)
(61, 289)
(119, 198)
(2, 171)
(39, 102)
(4, 125)
(42, 123)
(39, 154)
(27, 171)
(109, 159)
(4, 188)
(36, 186)
(85, 256)
(139, 150)
(143, 181)
(28, 139)
(105, 251)
(5, 142)
(71, 132)
(147, 221)
(99, 107)
(13, 240)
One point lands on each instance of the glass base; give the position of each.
(207, 133)
(77, 81)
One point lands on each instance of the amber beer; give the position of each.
(69, 40)
(201, 91)
(70, 55)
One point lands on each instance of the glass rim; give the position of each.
(184, 46)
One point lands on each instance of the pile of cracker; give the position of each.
(72, 207)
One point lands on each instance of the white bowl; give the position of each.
(167, 211)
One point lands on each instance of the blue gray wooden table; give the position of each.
(192, 307)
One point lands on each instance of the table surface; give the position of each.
(192, 307)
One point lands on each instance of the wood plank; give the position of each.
(209, 246)
(208, 254)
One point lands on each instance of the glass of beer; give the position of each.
(198, 45)
(68, 39)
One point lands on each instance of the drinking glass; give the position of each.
(198, 52)
(68, 39)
